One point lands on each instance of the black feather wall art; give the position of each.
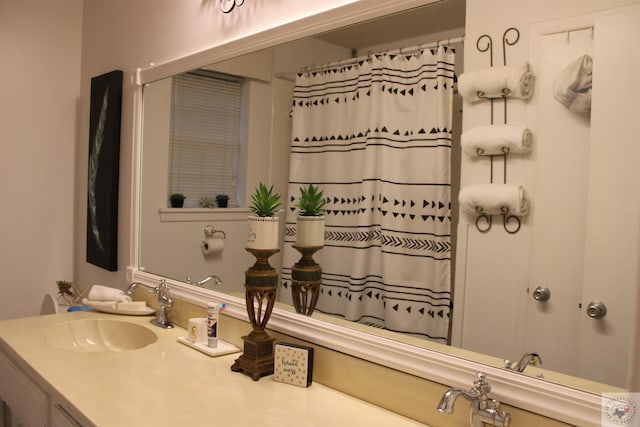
(103, 170)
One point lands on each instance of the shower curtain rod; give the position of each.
(349, 61)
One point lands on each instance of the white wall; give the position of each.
(40, 46)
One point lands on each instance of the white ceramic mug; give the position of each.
(197, 330)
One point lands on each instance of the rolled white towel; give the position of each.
(105, 304)
(495, 82)
(495, 139)
(492, 199)
(104, 293)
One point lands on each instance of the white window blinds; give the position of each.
(205, 136)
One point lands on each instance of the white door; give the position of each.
(587, 199)
(612, 248)
(562, 141)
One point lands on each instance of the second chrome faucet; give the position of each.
(530, 358)
(216, 280)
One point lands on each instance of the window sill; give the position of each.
(203, 214)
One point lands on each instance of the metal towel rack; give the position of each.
(484, 43)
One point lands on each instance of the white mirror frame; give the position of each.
(542, 397)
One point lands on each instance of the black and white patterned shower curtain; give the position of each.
(376, 138)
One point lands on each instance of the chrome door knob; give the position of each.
(596, 309)
(541, 293)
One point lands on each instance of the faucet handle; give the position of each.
(481, 384)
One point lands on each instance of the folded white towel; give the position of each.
(495, 82)
(495, 139)
(104, 293)
(572, 88)
(105, 304)
(493, 199)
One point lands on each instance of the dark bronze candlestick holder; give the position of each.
(261, 282)
(306, 278)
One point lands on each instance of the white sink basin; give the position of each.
(100, 335)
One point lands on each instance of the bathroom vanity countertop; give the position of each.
(169, 384)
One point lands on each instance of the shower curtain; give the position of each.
(375, 136)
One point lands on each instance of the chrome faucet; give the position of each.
(529, 358)
(482, 410)
(216, 280)
(164, 301)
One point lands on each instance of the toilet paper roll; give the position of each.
(212, 246)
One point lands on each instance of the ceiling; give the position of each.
(441, 16)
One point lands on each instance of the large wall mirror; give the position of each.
(170, 240)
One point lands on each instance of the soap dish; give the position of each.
(222, 348)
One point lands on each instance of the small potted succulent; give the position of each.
(177, 200)
(65, 291)
(222, 200)
(263, 224)
(207, 202)
(310, 219)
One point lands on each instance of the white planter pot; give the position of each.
(262, 232)
(310, 230)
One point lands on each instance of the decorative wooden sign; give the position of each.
(293, 364)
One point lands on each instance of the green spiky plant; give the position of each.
(207, 202)
(65, 287)
(264, 202)
(311, 201)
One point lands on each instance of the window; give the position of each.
(204, 153)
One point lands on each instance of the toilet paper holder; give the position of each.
(212, 233)
(214, 241)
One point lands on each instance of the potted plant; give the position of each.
(207, 202)
(263, 224)
(177, 200)
(65, 291)
(222, 200)
(310, 220)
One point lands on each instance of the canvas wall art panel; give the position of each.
(103, 170)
